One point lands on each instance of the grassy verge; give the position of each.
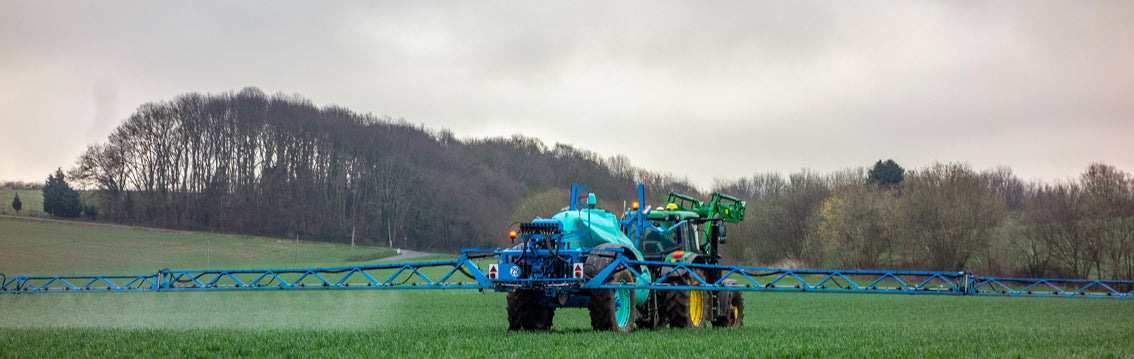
(372, 254)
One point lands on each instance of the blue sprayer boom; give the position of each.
(650, 268)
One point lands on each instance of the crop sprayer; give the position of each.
(648, 268)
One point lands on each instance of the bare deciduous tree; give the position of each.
(947, 213)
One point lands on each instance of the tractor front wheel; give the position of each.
(734, 312)
(526, 313)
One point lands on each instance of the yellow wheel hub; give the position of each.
(696, 307)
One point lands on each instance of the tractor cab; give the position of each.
(684, 226)
(670, 231)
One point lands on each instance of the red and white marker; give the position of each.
(577, 270)
(492, 271)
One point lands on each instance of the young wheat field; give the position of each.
(468, 323)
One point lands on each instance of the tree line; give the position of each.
(20, 185)
(945, 216)
(250, 163)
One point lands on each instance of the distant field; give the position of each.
(468, 323)
(32, 201)
(37, 247)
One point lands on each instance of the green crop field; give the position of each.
(467, 323)
(31, 201)
(37, 247)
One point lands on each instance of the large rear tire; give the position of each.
(610, 309)
(526, 313)
(613, 309)
(687, 308)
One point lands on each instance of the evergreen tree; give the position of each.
(59, 199)
(16, 204)
(128, 206)
(886, 174)
(90, 211)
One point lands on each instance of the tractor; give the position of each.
(687, 230)
(555, 261)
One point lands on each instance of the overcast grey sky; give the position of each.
(699, 89)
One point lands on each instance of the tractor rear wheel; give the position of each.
(734, 316)
(687, 308)
(526, 313)
(613, 309)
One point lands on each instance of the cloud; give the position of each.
(782, 85)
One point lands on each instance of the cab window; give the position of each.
(655, 243)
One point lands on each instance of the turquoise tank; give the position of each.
(594, 227)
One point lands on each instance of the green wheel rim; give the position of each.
(622, 307)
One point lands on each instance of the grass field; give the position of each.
(31, 200)
(38, 247)
(467, 323)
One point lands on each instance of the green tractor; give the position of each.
(569, 261)
(687, 230)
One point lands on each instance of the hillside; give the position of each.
(277, 165)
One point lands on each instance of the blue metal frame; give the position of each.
(1038, 287)
(380, 276)
(743, 278)
(43, 284)
(790, 280)
(864, 281)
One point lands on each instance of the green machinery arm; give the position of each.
(721, 206)
(730, 209)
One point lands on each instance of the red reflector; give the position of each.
(678, 255)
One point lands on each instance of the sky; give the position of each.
(699, 90)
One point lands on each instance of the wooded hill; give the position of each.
(277, 165)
